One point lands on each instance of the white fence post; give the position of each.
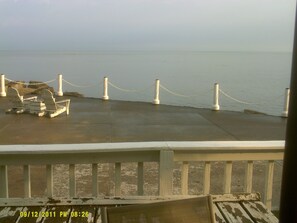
(2, 86)
(60, 85)
(216, 106)
(105, 89)
(157, 93)
(286, 105)
(166, 172)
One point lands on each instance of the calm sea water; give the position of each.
(259, 79)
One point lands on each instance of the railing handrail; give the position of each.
(209, 146)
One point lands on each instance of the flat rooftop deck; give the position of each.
(93, 120)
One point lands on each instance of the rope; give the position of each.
(28, 83)
(81, 86)
(176, 94)
(234, 99)
(127, 90)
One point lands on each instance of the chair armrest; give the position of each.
(63, 101)
(30, 98)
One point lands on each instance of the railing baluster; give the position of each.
(228, 177)
(269, 184)
(184, 178)
(27, 181)
(117, 179)
(165, 172)
(140, 179)
(3, 182)
(49, 180)
(72, 182)
(206, 186)
(248, 184)
(95, 179)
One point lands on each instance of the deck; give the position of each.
(227, 209)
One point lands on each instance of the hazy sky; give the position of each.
(216, 25)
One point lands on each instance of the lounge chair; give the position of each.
(198, 209)
(53, 107)
(19, 103)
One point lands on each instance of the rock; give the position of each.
(34, 87)
(73, 94)
(248, 111)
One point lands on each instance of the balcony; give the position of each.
(169, 157)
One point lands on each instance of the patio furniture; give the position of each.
(53, 107)
(19, 103)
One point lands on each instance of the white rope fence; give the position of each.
(158, 86)
(236, 100)
(81, 86)
(31, 83)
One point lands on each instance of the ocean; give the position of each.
(252, 80)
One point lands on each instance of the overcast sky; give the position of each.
(216, 25)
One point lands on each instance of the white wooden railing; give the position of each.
(165, 153)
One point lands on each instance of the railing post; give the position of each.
(105, 89)
(3, 182)
(269, 184)
(248, 184)
(228, 177)
(184, 178)
(72, 182)
(27, 181)
(216, 106)
(286, 105)
(2, 86)
(157, 92)
(140, 179)
(49, 180)
(95, 179)
(165, 172)
(60, 85)
(206, 186)
(117, 179)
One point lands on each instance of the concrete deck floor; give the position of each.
(93, 120)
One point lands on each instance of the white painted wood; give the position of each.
(228, 177)
(117, 179)
(184, 178)
(94, 179)
(216, 106)
(165, 172)
(269, 184)
(140, 178)
(286, 104)
(182, 146)
(206, 182)
(248, 177)
(19, 103)
(53, 107)
(60, 85)
(49, 180)
(234, 213)
(72, 181)
(157, 92)
(2, 86)
(102, 200)
(27, 181)
(259, 212)
(165, 152)
(3, 182)
(105, 89)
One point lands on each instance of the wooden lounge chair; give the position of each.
(198, 210)
(19, 103)
(53, 107)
